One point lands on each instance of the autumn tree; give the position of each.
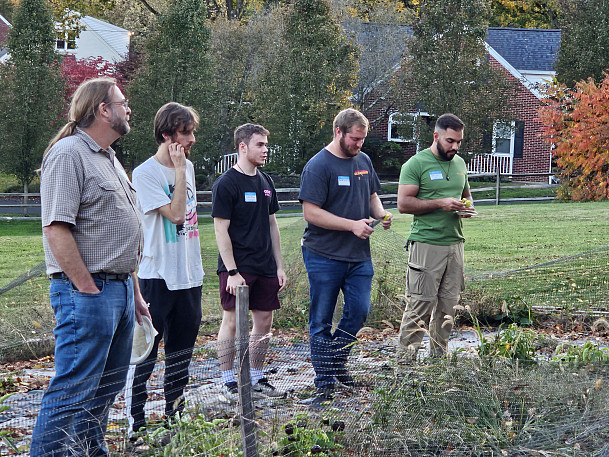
(447, 69)
(75, 71)
(584, 49)
(311, 80)
(576, 124)
(31, 88)
(176, 68)
(533, 14)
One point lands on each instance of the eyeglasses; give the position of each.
(125, 103)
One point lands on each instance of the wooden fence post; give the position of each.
(498, 190)
(25, 199)
(248, 426)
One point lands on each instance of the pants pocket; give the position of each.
(415, 277)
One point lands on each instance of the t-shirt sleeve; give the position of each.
(313, 186)
(274, 205)
(222, 199)
(375, 183)
(60, 188)
(149, 189)
(410, 173)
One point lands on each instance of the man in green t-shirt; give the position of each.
(433, 187)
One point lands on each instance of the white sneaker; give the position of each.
(230, 392)
(264, 387)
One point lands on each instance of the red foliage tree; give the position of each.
(576, 123)
(75, 71)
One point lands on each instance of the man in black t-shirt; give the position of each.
(338, 191)
(243, 208)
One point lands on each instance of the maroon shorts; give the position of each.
(263, 292)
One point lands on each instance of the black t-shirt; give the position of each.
(247, 201)
(342, 187)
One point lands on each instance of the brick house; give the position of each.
(5, 27)
(527, 57)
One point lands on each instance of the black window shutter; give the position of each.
(518, 139)
(487, 138)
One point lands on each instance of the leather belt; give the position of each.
(102, 276)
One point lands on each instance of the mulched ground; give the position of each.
(288, 367)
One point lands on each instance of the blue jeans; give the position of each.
(329, 351)
(93, 339)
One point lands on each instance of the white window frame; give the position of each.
(496, 126)
(413, 120)
(65, 38)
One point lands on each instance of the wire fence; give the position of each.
(464, 406)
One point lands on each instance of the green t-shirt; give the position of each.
(429, 173)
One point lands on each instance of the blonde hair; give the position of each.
(83, 108)
(347, 119)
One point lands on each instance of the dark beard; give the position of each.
(442, 152)
(345, 149)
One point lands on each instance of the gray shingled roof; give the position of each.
(526, 49)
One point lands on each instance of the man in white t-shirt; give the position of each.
(170, 273)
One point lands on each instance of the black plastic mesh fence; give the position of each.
(463, 407)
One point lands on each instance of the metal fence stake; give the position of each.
(248, 426)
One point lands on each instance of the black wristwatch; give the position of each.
(233, 272)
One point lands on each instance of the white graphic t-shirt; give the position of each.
(171, 252)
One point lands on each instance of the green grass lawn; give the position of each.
(500, 238)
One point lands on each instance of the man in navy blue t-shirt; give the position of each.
(338, 191)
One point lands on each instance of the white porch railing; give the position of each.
(489, 163)
(227, 161)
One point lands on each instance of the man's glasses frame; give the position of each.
(125, 103)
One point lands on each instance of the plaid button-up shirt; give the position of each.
(86, 186)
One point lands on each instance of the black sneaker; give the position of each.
(344, 377)
(323, 398)
(230, 392)
(264, 387)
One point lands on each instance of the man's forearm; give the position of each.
(176, 210)
(64, 249)
(276, 243)
(325, 219)
(414, 205)
(225, 245)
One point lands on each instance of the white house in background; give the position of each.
(97, 38)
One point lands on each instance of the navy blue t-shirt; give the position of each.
(247, 201)
(342, 187)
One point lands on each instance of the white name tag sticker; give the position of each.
(344, 181)
(434, 175)
(250, 197)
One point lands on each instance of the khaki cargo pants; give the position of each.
(434, 282)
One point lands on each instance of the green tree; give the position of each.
(240, 50)
(447, 69)
(534, 14)
(6, 9)
(176, 68)
(584, 49)
(299, 94)
(32, 90)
